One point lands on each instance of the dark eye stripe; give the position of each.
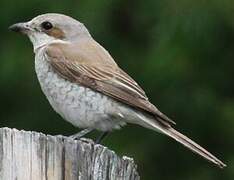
(56, 32)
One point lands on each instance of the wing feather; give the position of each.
(100, 76)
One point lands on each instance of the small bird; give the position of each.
(86, 87)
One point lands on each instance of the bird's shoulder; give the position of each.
(84, 51)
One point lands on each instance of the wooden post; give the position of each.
(35, 156)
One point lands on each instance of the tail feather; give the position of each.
(171, 132)
(193, 146)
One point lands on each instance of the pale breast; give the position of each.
(79, 105)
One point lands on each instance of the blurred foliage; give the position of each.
(181, 52)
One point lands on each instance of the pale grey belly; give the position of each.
(79, 105)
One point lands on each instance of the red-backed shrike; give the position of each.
(86, 87)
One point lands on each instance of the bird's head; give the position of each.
(51, 27)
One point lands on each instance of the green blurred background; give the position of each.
(180, 52)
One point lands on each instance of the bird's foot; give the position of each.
(101, 137)
(80, 134)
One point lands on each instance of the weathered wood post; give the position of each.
(35, 156)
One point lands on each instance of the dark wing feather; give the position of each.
(105, 78)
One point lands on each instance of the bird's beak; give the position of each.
(20, 27)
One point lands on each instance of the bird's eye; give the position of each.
(46, 25)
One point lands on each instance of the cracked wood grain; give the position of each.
(35, 156)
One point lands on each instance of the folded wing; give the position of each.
(88, 64)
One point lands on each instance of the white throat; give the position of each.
(39, 39)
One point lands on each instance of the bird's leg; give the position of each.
(101, 137)
(81, 133)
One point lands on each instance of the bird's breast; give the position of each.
(79, 105)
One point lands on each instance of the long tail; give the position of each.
(196, 148)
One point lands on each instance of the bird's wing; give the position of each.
(88, 64)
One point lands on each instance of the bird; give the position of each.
(86, 87)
